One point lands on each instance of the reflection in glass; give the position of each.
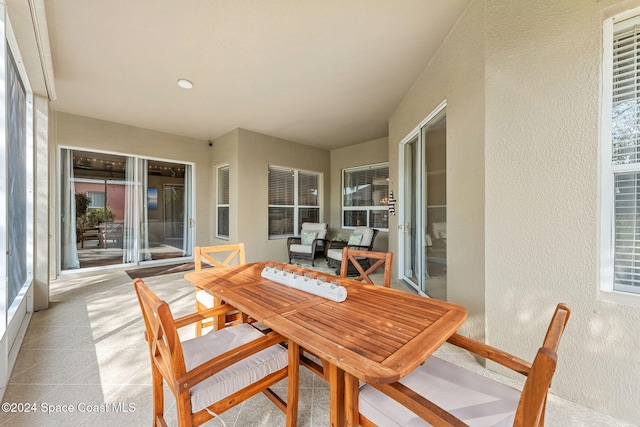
(120, 219)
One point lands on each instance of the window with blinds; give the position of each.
(222, 202)
(625, 158)
(294, 198)
(97, 199)
(365, 196)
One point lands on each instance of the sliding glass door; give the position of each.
(423, 211)
(118, 209)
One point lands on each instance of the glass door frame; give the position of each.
(419, 196)
(139, 186)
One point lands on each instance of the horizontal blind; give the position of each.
(626, 91)
(625, 155)
(223, 185)
(307, 189)
(359, 184)
(281, 201)
(281, 187)
(627, 232)
(223, 202)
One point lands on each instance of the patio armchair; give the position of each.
(309, 244)
(361, 238)
(209, 374)
(441, 393)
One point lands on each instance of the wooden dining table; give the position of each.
(377, 335)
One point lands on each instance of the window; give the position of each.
(294, 198)
(139, 209)
(620, 267)
(97, 199)
(18, 179)
(365, 196)
(222, 200)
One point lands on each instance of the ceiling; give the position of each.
(324, 73)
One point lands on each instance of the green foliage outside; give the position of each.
(90, 218)
(97, 216)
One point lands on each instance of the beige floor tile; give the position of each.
(89, 349)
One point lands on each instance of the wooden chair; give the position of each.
(441, 393)
(361, 259)
(219, 257)
(195, 370)
(357, 258)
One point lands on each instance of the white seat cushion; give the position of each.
(335, 254)
(476, 400)
(204, 298)
(235, 377)
(302, 249)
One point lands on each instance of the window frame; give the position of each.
(608, 288)
(295, 206)
(219, 205)
(92, 197)
(368, 209)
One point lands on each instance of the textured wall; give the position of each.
(366, 153)
(522, 83)
(255, 153)
(456, 75)
(543, 76)
(41, 203)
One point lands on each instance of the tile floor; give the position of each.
(84, 362)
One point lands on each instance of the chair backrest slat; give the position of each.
(532, 404)
(236, 252)
(356, 256)
(162, 335)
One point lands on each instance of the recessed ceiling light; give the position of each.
(185, 84)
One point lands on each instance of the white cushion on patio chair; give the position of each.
(473, 398)
(304, 249)
(204, 298)
(237, 376)
(365, 232)
(320, 227)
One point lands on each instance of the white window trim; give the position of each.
(607, 209)
(221, 205)
(296, 207)
(360, 208)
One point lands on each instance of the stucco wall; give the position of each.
(224, 151)
(543, 77)
(362, 154)
(255, 153)
(522, 83)
(456, 75)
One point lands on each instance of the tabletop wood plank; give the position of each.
(377, 334)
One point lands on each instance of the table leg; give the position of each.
(336, 392)
(351, 390)
(293, 381)
(220, 320)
